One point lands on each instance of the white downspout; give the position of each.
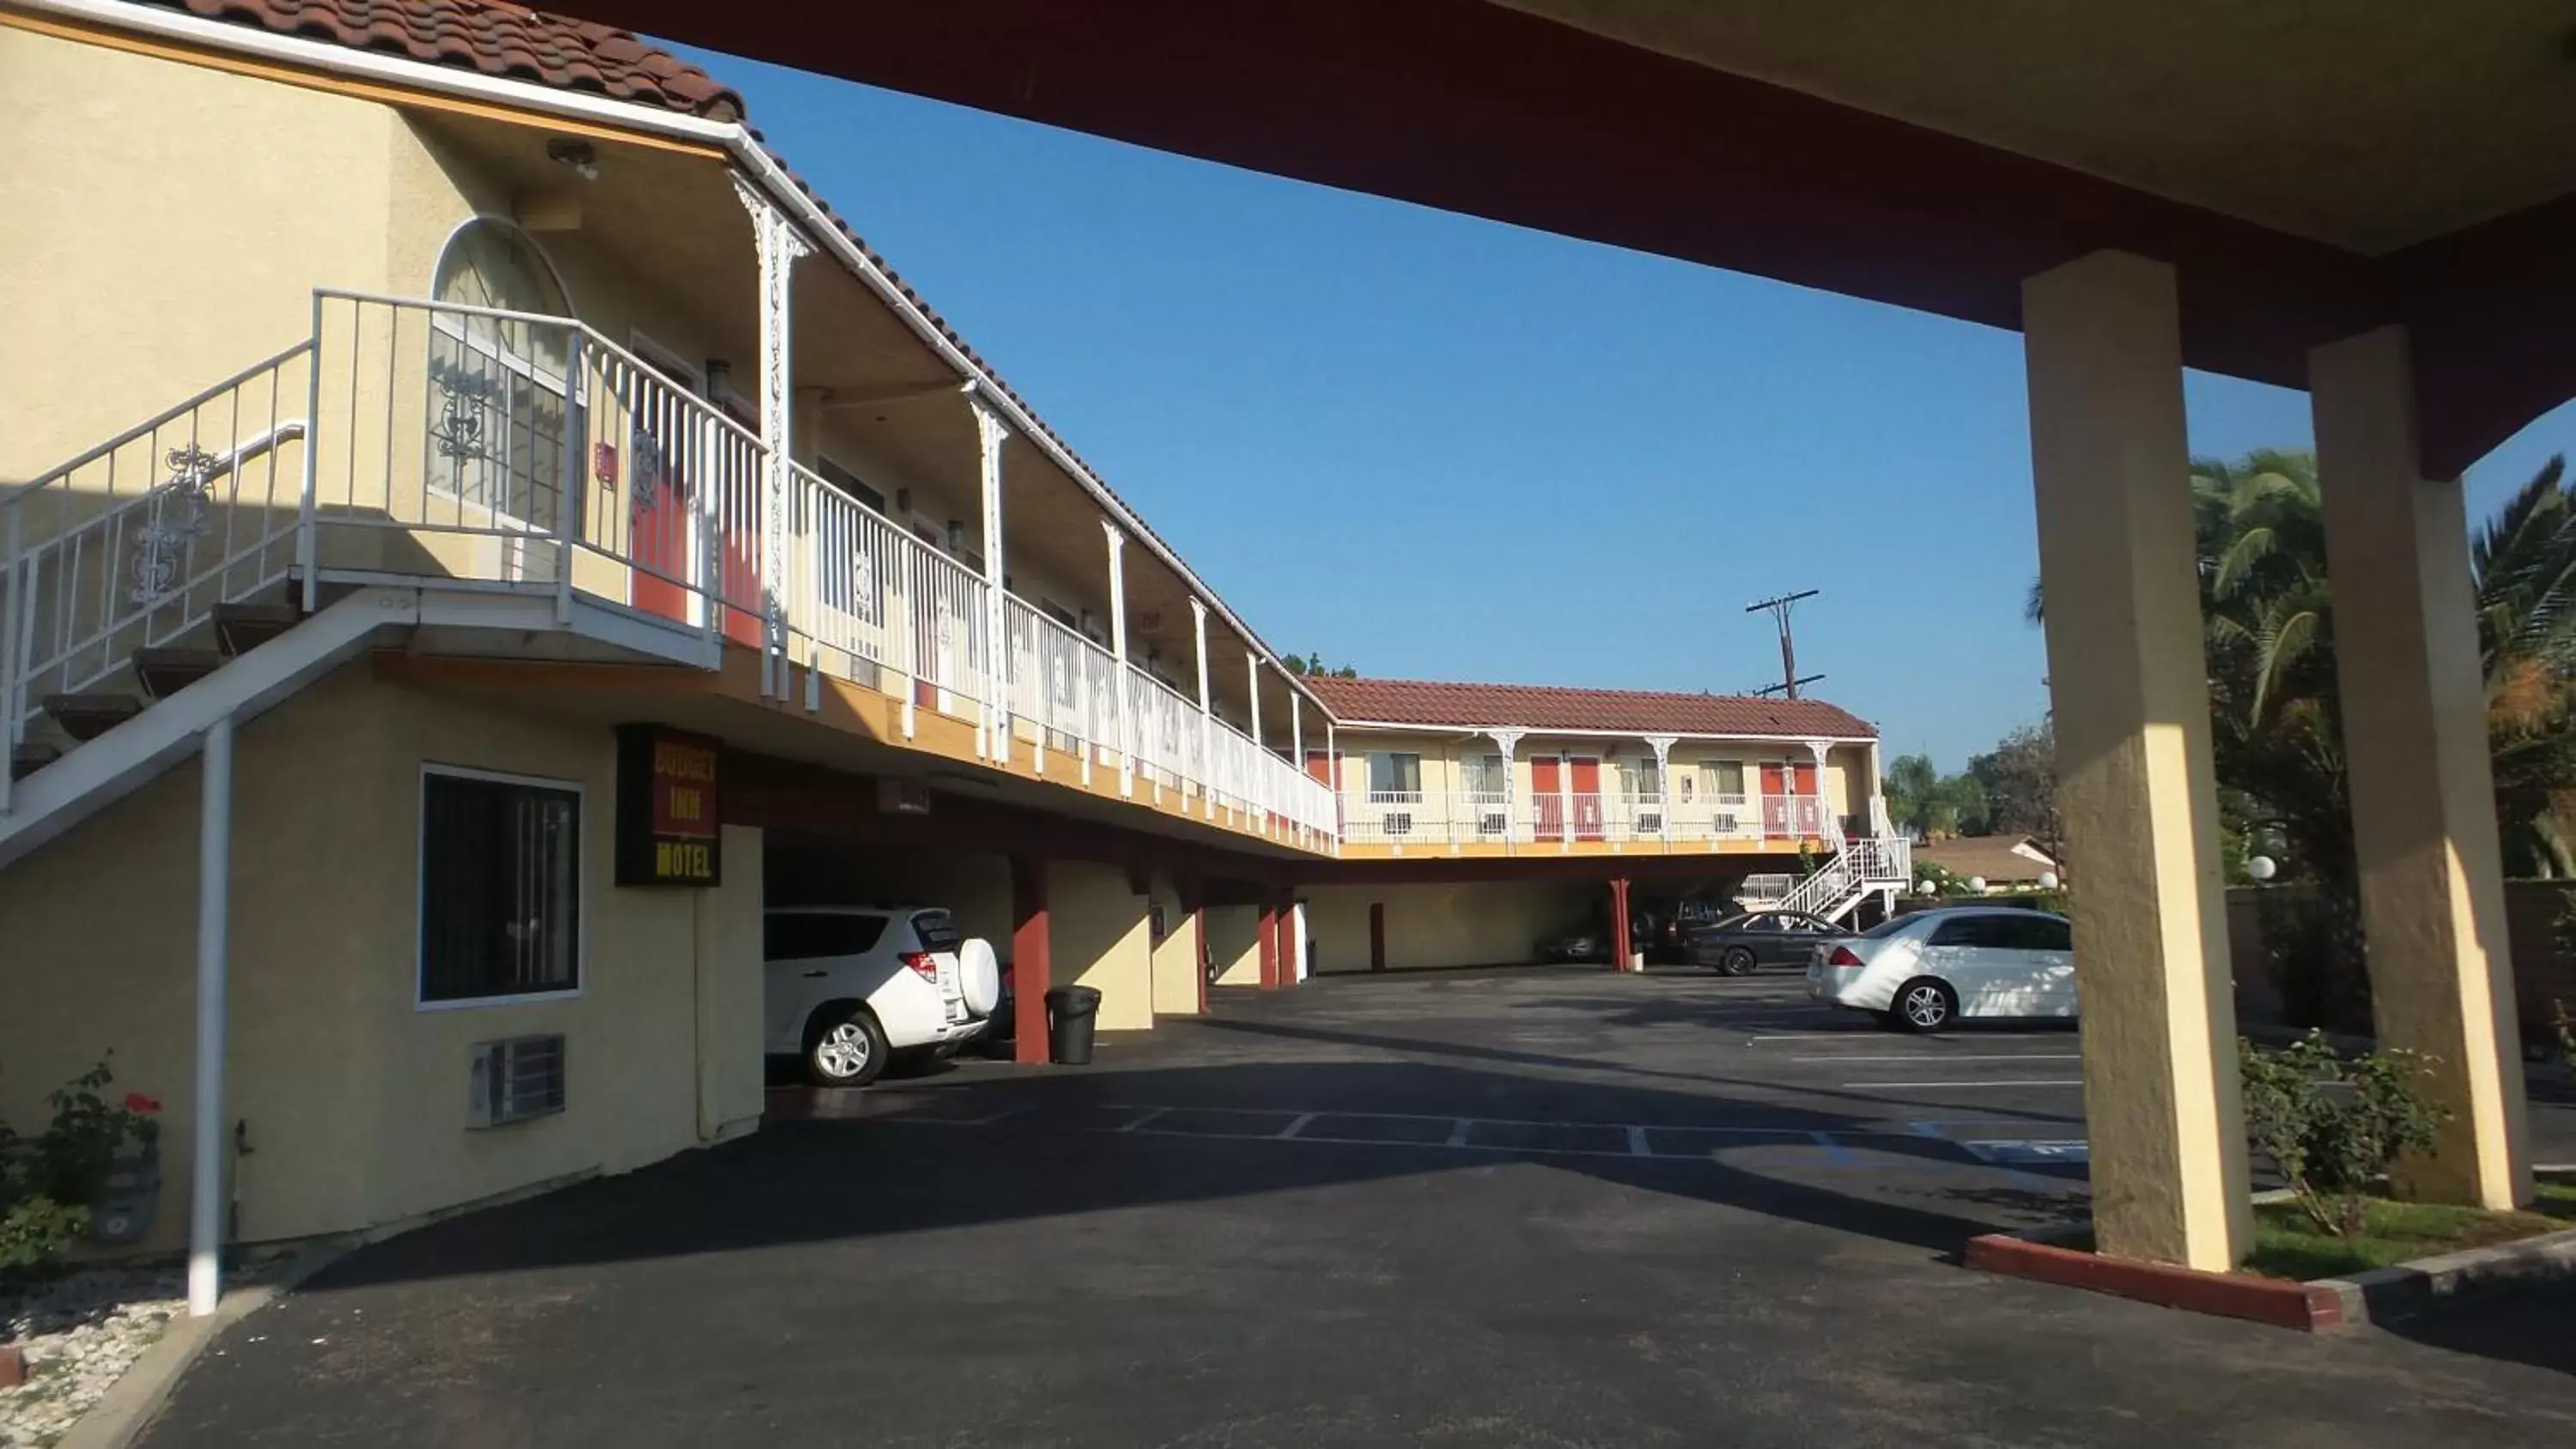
(214, 932)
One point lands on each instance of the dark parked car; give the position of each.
(1740, 945)
(1663, 926)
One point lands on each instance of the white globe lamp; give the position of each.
(2262, 868)
(1977, 884)
(1926, 888)
(2048, 880)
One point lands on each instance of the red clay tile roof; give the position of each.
(1584, 711)
(505, 40)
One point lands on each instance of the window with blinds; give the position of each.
(500, 874)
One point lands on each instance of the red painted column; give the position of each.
(1269, 942)
(1194, 919)
(1032, 961)
(1377, 935)
(1620, 945)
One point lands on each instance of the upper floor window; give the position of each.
(1638, 779)
(1484, 775)
(1395, 776)
(498, 384)
(1722, 781)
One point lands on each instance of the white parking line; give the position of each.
(2005, 1057)
(1149, 1116)
(1637, 1143)
(1293, 1128)
(1458, 1131)
(2074, 1082)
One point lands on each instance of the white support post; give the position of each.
(1829, 823)
(1207, 729)
(1509, 742)
(214, 934)
(1662, 745)
(1252, 676)
(1564, 799)
(1296, 732)
(990, 434)
(1333, 779)
(1125, 696)
(780, 246)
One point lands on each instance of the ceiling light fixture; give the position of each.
(575, 154)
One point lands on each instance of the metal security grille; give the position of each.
(499, 890)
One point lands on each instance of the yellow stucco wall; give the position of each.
(160, 233)
(354, 1098)
(1176, 956)
(1479, 923)
(1099, 939)
(1234, 943)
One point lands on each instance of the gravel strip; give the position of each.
(84, 1330)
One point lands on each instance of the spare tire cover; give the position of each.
(980, 976)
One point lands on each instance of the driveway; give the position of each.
(1538, 1207)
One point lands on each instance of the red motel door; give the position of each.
(658, 518)
(1775, 807)
(1543, 794)
(1328, 770)
(1587, 799)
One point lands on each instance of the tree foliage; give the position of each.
(1313, 667)
(2018, 782)
(1929, 805)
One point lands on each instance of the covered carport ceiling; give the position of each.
(1926, 153)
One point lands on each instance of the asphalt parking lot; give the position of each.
(1530, 1207)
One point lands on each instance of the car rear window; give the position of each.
(1890, 927)
(937, 930)
(789, 936)
(1988, 931)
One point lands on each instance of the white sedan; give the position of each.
(1923, 971)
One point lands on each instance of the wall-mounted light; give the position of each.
(564, 151)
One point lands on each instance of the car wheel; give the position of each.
(1926, 1004)
(844, 1046)
(1738, 961)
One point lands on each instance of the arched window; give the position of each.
(498, 384)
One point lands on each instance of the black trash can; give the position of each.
(1070, 1012)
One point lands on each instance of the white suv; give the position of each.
(847, 985)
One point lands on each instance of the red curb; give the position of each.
(13, 1367)
(2303, 1306)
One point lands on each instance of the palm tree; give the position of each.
(2275, 714)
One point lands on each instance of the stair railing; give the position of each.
(131, 544)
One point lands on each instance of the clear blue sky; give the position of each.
(1437, 447)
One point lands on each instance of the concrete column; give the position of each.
(1829, 821)
(2109, 461)
(990, 434)
(1287, 924)
(1125, 694)
(2423, 793)
(1194, 919)
(1032, 959)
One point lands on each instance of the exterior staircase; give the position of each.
(1875, 865)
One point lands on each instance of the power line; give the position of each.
(1779, 609)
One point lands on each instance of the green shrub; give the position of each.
(2334, 1127)
(48, 1181)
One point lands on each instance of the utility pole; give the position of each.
(1779, 609)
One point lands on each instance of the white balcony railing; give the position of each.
(1396, 817)
(504, 450)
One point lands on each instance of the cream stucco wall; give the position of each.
(1099, 938)
(352, 1097)
(1480, 923)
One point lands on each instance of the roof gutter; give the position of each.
(735, 139)
(1588, 731)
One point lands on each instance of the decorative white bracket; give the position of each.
(780, 246)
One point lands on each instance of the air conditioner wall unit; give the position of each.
(515, 1079)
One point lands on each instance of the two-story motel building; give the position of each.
(475, 529)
